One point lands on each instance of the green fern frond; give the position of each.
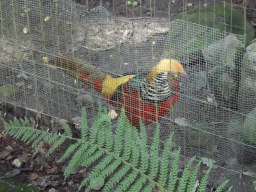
(220, 187)
(149, 187)
(51, 138)
(20, 132)
(34, 136)
(203, 183)
(96, 170)
(70, 150)
(101, 110)
(95, 127)
(67, 131)
(56, 144)
(108, 135)
(84, 126)
(38, 139)
(17, 122)
(185, 176)
(136, 187)
(143, 148)
(101, 138)
(127, 181)
(87, 162)
(174, 171)
(192, 179)
(163, 174)
(38, 146)
(118, 134)
(144, 159)
(116, 177)
(229, 189)
(76, 160)
(127, 143)
(27, 135)
(154, 160)
(7, 128)
(124, 160)
(111, 168)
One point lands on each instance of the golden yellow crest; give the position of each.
(166, 65)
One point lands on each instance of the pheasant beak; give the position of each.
(177, 69)
(183, 74)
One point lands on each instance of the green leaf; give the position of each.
(220, 188)
(165, 162)
(97, 183)
(202, 185)
(174, 171)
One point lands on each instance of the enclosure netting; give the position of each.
(216, 96)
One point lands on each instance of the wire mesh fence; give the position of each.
(214, 117)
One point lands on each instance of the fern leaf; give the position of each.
(229, 189)
(87, 162)
(39, 146)
(67, 131)
(36, 134)
(23, 129)
(52, 138)
(7, 128)
(32, 121)
(135, 154)
(88, 153)
(154, 154)
(22, 122)
(101, 135)
(143, 148)
(118, 134)
(38, 139)
(97, 169)
(94, 131)
(150, 186)
(70, 150)
(111, 168)
(127, 181)
(192, 179)
(84, 126)
(14, 129)
(163, 174)
(220, 187)
(136, 187)
(184, 179)
(11, 123)
(116, 177)
(95, 127)
(56, 144)
(20, 132)
(27, 135)
(16, 122)
(27, 123)
(127, 143)
(174, 172)
(202, 185)
(76, 160)
(109, 136)
(101, 110)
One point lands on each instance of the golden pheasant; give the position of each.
(145, 96)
